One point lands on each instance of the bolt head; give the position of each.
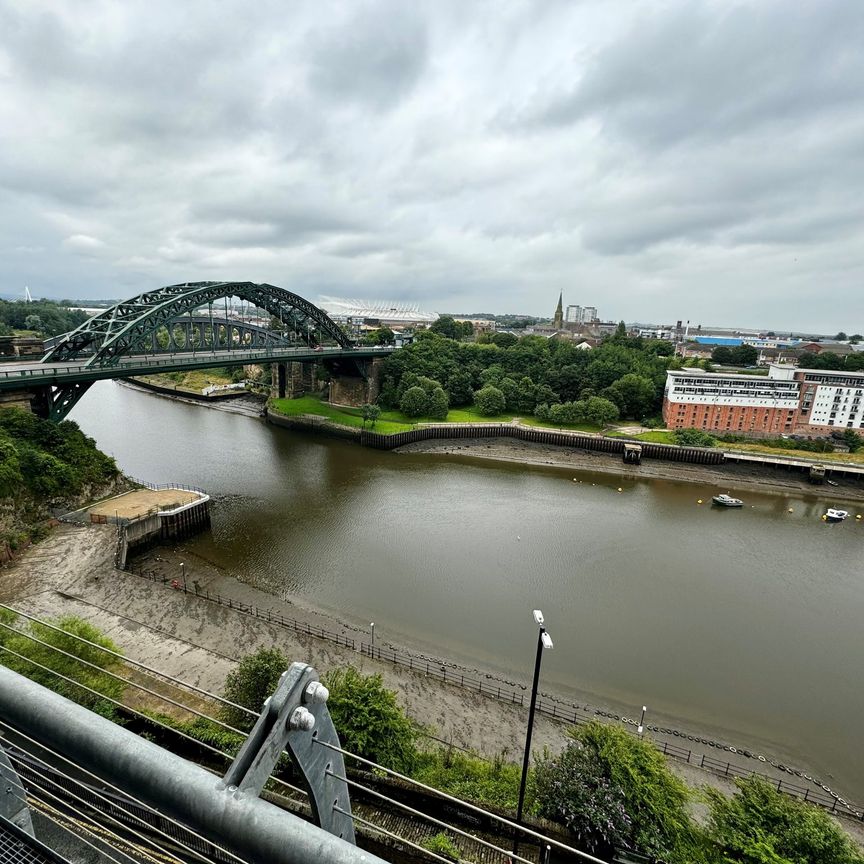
(301, 720)
(315, 693)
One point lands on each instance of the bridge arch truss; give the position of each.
(132, 326)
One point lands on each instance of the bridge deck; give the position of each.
(20, 375)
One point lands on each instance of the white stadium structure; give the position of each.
(387, 313)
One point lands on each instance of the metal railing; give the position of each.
(513, 693)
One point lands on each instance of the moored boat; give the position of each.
(727, 501)
(833, 515)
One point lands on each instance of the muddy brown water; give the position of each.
(746, 621)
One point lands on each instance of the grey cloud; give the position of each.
(373, 58)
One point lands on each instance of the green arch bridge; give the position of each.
(188, 326)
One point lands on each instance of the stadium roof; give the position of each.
(379, 310)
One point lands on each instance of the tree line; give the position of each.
(44, 317)
(552, 379)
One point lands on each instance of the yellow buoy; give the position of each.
(699, 501)
(791, 510)
(858, 516)
(620, 489)
(824, 518)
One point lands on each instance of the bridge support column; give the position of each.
(358, 390)
(277, 384)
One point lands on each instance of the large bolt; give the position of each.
(301, 719)
(315, 693)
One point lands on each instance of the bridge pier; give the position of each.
(357, 390)
(290, 380)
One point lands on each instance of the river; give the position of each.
(748, 622)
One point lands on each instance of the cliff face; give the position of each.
(46, 469)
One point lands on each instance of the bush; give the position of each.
(489, 401)
(623, 770)
(368, 719)
(414, 402)
(693, 438)
(254, 679)
(441, 844)
(759, 825)
(71, 668)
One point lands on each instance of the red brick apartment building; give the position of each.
(811, 402)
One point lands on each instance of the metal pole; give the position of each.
(641, 728)
(527, 754)
(372, 627)
(183, 574)
(252, 828)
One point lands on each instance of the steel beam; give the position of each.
(255, 830)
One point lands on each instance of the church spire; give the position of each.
(558, 321)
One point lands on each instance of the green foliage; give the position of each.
(573, 789)
(600, 411)
(759, 825)
(490, 401)
(414, 402)
(451, 329)
(635, 395)
(693, 438)
(467, 776)
(21, 644)
(460, 389)
(437, 404)
(828, 360)
(51, 318)
(840, 337)
(254, 679)
(817, 445)
(381, 336)
(852, 440)
(441, 844)
(629, 769)
(368, 719)
(737, 355)
(50, 460)
(370, 414)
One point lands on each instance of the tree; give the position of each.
(460, 390)
(852, 440)
(841, 337)
(745, 355)
(633, 394)
(371, 413)
(629, 773)
(600, 411)
(722, 354)
(855, 338)
(254, 679)
(33, 322)
(381, 336)
(368, 719)
(414, 402)
(489, 401)
(504, 340)
(446, 326)
(759, 825)
(437, 404)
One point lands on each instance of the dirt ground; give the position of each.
(141, 501)
(200, 642)
(742, 475)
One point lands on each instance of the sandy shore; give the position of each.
(739, 475)
(72, 572)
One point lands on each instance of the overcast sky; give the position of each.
(658, 160)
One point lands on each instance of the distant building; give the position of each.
(574, 315)
(558, 320)
(381, 313)
(589, 315)
(811, 402)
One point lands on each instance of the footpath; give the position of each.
(201, 641)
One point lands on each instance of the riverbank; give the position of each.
(761, 478)
(199, 641)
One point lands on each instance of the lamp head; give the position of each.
(538, 616)
(546, 639)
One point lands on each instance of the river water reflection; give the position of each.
(747, 621)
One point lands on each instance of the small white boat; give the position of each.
(833, 515)
(727, 501)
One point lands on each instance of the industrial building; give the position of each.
(812, 402)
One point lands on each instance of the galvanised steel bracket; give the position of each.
(295, 718)
(12, 804)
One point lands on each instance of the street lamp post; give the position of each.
(372, 628)
(183, 574)
(641, 728)
(544, 640)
